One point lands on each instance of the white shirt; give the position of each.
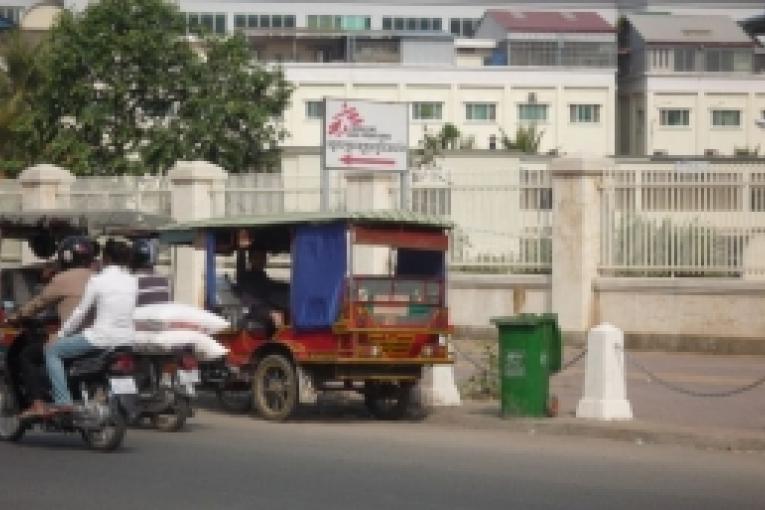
(113, 291)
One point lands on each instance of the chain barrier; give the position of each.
(480, 366)
(685, 391)
(573, 361)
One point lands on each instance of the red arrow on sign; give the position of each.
(349, 160)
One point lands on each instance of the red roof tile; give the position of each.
(550, 21)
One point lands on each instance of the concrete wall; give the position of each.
(696, 314)
(475, 298)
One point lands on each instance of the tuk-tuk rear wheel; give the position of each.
(275, 387)
(387, 401)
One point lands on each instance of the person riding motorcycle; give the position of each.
(152, 287)
(64, 291)
(113, 293)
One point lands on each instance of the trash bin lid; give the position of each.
(522, 319)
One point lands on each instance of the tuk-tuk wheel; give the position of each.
(387, 401)
(275, 388)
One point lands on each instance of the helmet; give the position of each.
(144, 254)
(75, 251)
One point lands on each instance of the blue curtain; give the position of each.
(319, 264)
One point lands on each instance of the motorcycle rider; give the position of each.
(113, 293)
(65, 289)
(152, 287)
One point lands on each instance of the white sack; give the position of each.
(167, 316)
(205, 347)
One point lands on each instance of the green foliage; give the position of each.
(527, 139)
(124, 92)
(449, 136)
(19, 77)
(484, 383)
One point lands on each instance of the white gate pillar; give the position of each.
(575, 242)
(43, 187)
(196, 193)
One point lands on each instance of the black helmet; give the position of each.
(75, 251)
(144, 254)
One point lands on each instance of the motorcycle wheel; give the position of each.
(176, 419)
(11, 428)
(109, 437)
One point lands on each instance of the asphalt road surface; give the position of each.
(341, 459)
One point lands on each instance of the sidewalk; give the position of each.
(661, 415)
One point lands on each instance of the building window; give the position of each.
(675, 117)
(12, 13)
(726, 118)
(463, 27)
(532, 112)
(412, 24)
(533, 53)
(264, 21)
(480, 111)
(428, 110)
(584, 113)
(329, 22)
(209, 22)
(314, 109)
(718, 60)
(685, 59)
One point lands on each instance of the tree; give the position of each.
(124, 92)
(19, 77)
(450, 136)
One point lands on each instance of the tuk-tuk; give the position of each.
(366, 305)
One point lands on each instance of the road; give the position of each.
(341, 459)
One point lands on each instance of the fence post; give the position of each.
(575, 242)
(195, 189)
(43, 187)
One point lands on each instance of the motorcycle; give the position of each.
(101, 382)
(165, 379)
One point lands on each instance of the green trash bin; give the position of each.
(529, 352)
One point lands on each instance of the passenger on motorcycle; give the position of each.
(152, 287)
(113, 293)
(64, 291)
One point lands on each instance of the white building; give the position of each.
(688, 87)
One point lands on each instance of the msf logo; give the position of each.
(345, 121)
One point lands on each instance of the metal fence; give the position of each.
(149, 194)
(683, 219)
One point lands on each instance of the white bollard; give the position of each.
(438, 388)
(605, 394)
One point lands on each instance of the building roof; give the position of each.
(550, 21)
(662, 28)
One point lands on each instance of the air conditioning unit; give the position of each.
(711, 153)
(760, 123)
(660, 153)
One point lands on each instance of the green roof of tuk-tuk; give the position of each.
(173, 233)
(127, 222)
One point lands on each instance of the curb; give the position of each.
(636, 431)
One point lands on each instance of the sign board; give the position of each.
(359, 134)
